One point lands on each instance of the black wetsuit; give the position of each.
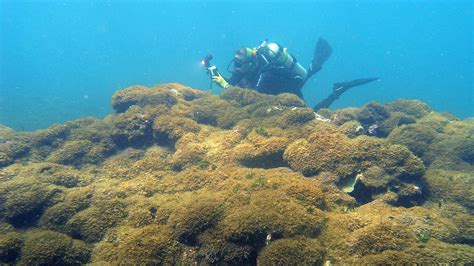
(272, 81)
(271, 78)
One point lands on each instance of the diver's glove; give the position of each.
(219, 79)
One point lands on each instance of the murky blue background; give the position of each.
(61, 60)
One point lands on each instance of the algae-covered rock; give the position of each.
(141, 96)
(52, 136)
(11, 242)
(395, 120)
(378, 237)
(215, 249)
(188, 153)
(78, 153)
(270, 213)
(341, 116)
(216, 112)
(48, 173)
(152, 244)
(56, 216)
(445, 185)
(132, 128)
(372, 113)
(10, 247)
(6, 132)
(242, 97)
(327, 150)
(181, 92)
(247, 97)
(181, 176)
(259, 149)
(45, 247)
(263, 209)
(437, 252)
(378, 232)
(290, 100)
(414, 108)
(197, 215)
(352, 129)
(453, 148)
(166, 128)
(297, 117)
(288, 251)
(12, 150)
(23, 201)
(91, 224)
(417, 138)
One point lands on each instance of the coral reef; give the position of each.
(182, 176)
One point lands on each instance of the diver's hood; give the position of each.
(242, 64)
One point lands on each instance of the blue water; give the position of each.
(62, 60)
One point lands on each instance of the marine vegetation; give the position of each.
(181, 176)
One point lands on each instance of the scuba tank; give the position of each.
(274, 55)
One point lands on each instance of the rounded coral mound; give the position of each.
(181, 176)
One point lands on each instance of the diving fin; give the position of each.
(341, 87)
(338, 89)
(322, 51)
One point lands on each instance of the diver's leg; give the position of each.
(295, 85)
(285, 84)
(266, 83)
(338, 89)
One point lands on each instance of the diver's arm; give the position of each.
(220, 80)
(224, 82)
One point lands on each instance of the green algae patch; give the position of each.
(48, 247)
(457, 186)
(171, 128)
(181, 176)
(56, 216)
(216, 112)
(414, 108)
(259, 149)
(11, 242)
(377, 231)
(10, 151)
(297, 117)
(242, 97)
(141, 96)
(287, 251)
(151, 244)
(24, 201)
(333, 152)
(196, 215)
(91, 224)
(251, 223)
(415, 137)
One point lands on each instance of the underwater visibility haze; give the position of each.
(113, 150)
(63, 59)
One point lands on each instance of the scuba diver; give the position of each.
(271, 69)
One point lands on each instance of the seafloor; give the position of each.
(182, 176)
